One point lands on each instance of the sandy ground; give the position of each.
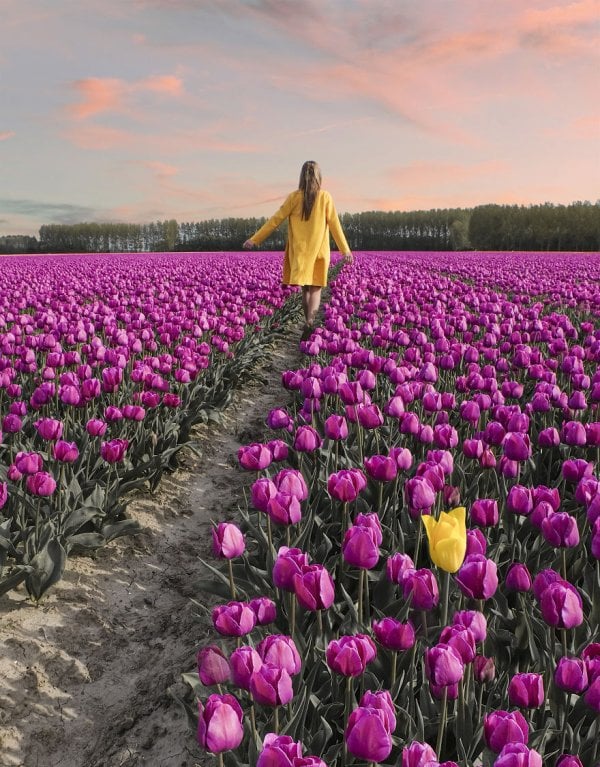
(85, 676)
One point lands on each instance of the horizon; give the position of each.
(193, 110)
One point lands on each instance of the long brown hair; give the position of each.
(310, 183)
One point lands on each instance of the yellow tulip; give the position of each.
(447, 537)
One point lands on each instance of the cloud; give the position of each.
(99, 95)
(431, 174)
(52, 212)
(5, 135)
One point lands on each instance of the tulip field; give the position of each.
(106, 363)
(413, 577)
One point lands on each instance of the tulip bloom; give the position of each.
(443, 665)
(213, 666)
(421, 588)
(255, 457)
(367, 734)
(114, 450)
(291, 482)
(280, 650)
(560, 530)
(484, 512)
(526, 690)
(394, 635)
(519, 500)
(561, 606)
(49, 428)
(220, 724)
(461, 639)
(271, 685)
(570, 675)
(517, 578)
(314, 587)
(484, 669)
(592, 696)
(279, 751)
(502, 727)
(336, 427)
(41, 483)
(289, 562)
(307, 439)
(28, 463)
(418, 755)
(359, 547)
(518, 755)
(346, 484)
(447, 538)
(65, 452)
(228, 541)
(265, 610)
(349, 655)
(244, 661)
(381, 467)
(478, 577)
(397, 566)
(473, 620)
(234, 619)
(569, 760)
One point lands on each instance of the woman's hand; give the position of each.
(348, 258)
(248, 245)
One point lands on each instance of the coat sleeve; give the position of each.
(275, 220)
(333, 222)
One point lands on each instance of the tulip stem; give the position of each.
(442, 729)
(394, 663)
(231, 583)
(563, 561)
(220, 759)
(445, 597)
(253, 722)
(360, 595)
(292, 614)
(276, 720)
(418, 543)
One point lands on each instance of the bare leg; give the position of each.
(314, 301)
(305, 296)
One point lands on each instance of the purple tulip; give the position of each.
(49, 428)
(476, 542)
(591, 655)
(592, 696)
(271, 685)
(279, 419)
(65, 452)
(265, 610)
(503, 727)
(359, 547)
(526, 690)
(549, 437)
(280, 650)
(540, 512)
(220, 724)
(335, 427)
(484, 669)
(518, 578)
(548, 494)
(394, 635)
(314, 587)
(569, 760)
(28, 463)
(11, 424)
(244, 661)
(478, 577)
(289, 562)
(307, 439)
(574, 469)
(284, 509)
(261, 492)
(421, 588)
(520, 500)
(234, 619)
(349, 655)
(573, 433)
(228, 541)
(397, 567)
(518, 755)
(570, 675)
(114, 450)
(484, 512)
(346, 484)
(419, 493)
(473, 620)
(367, 735)
(96, 427)
(41, 483)
(517, 446)
(561, 605)
(542, 580)
(560, 530)
(443, 665)
(254, 457)
(213, 666)
(381, 467)
(461, 639)
(381, 700)
(418, 755)
(279, 751)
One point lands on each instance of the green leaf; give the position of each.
(47, 567)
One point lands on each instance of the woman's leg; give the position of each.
(305, 289)
(313, 302)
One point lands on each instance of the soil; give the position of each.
(87, 675)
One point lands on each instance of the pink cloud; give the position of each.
(106, 94)
(5, 135)
(437, 174)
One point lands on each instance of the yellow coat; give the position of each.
(307, 248)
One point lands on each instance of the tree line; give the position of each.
(485, 227)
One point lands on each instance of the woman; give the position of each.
(311, 215)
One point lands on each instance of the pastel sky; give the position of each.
(138, 110)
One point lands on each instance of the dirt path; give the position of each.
(84, 676)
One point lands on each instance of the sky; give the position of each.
(144, 110)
